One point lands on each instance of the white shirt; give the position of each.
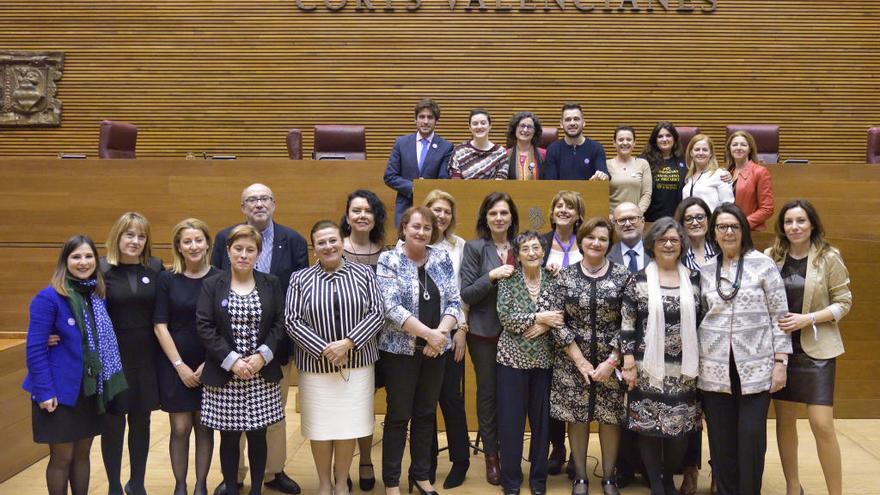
(639, 248)
(708, 187)
(419, 147)
(574, 256)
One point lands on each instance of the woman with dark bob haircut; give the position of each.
(487, 260)
(71, 385)
(743, 351)
(524, 157)
(817, 288)
(661, 309)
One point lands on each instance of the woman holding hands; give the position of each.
(334, 311)
(180, 366)
(240, 316)
(422, 306)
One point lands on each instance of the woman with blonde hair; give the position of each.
(442, 205)
(180, 366)
(705, 180)
(817, 289)
(131, 273)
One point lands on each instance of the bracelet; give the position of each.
(177, 363)
(611, 361)
(783, 362)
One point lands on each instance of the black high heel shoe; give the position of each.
(609, 487)
(576, 483)
(412, 483)
(364, 483)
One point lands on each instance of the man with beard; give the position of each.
(418, 155)
(574, 157)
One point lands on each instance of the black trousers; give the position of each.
(737, 426)
(412, 387)
(523, 393)
(484, 354)
(452, 407)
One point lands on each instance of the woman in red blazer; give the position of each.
(752, 186)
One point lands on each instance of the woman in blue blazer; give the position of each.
(71, 382)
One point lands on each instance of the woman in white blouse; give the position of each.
(704, 179)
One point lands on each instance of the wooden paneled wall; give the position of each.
(233, 75)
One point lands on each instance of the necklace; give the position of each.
(534, 288)
(354, 248)
(727, 296)
(591, 270)
(501, 250)
(425, 294)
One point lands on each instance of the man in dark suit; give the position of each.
(630, 252)
(422, 154)
(628, 225)
(284, 252)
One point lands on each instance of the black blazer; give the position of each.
(215, 328)
(289, 253)
(481, 295)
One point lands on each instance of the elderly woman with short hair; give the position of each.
(661, 354)
(525, 363)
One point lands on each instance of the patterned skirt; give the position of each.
(242, 405)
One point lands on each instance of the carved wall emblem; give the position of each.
(28, 88)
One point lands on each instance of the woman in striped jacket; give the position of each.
(334, 311)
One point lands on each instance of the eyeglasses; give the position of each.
(625, 220)
(695, 218)
(526, 127)
(672, 241)
(252, 200)
(731, 227)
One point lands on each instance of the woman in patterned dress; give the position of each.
(525, 362)
(585, 387)
(241, 323)
(661, 354)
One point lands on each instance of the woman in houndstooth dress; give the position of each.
(240, 318)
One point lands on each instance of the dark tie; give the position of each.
(423, 153)
(633, 265)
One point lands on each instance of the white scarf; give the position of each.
(654, 362)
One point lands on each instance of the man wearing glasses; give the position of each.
(284, 252)
(629, 252)
(628, 224)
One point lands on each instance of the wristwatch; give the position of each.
(783, 361)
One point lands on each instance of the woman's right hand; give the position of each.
(553, 319)
(629, 372)
(49, 405)
(436, 339)
(242, 369)
(501, 272)
(586, 370)
(187, 376)
(54, 339)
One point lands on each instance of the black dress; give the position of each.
(176, 302)
(810, 380)
(131, 296)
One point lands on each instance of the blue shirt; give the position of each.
(567, 162)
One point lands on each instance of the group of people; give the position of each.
(665, 172)
(645, 332)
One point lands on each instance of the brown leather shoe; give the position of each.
(493, 469)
